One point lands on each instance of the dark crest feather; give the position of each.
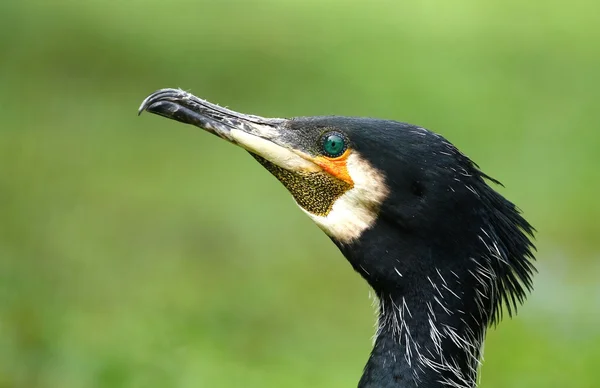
(509, 246)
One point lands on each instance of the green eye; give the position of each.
(333, 144)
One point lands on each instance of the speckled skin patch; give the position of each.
(315, 192)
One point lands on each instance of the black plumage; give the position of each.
(416, 218)
(444, 237)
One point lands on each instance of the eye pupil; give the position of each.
(334, 144)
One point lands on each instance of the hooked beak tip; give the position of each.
(159, 96)
(257, 135)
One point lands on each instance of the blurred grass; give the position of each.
(136, 252)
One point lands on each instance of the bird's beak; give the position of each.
(260, 136)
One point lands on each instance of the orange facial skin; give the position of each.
(336, 166)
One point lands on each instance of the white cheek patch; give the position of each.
(357, 209)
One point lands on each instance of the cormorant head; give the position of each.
(410, 212)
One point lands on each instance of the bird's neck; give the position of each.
(430, 327)
(418, 346)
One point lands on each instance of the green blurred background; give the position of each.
(139, 252)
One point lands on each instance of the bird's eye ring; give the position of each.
(333, 144)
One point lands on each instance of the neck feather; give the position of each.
(433, 314)
(439, 289)
(424, 343)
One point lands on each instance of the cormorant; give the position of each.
(413, 215)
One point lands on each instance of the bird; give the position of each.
(443, 252)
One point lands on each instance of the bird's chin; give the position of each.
(314, 190)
